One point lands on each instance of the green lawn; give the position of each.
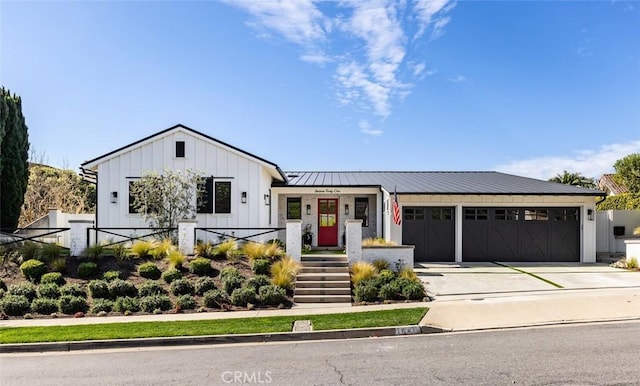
(397, 317)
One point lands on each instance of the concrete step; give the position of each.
(316, 269)
(342, 258)
(323, 284)
(322, 299)
(323, 277)
(329, 263)
(322, 291)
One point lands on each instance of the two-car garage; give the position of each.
(494, 233)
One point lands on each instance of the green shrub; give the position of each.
(170, 275)
(261, 266)
(111, 275)
(385, 276)
(44, 306)
(52, 277)
(204, 284)
(225, 248)
(99, 289)
(365, 292)
(126, 303)
(258, 281)
(119, 288)
(229, 271)
(215, 298)
(150, 288)
(176, 259)
(204, 250)
(181, 287)
(73, 289)
(272, 295)
(143, 248)
(25, 289)
(33, 269)
(49, 290)
(243, 296)
(232, 283)
(413, 291)
(87, 270)
(99, 305)
(151, 303)
(200, 266)
(14, 305)
(389, 291)
(49, 252)
(186, 302)
(149, 271)
(70, 304)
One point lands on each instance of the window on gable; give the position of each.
(362, 210)
(205, 199)
(223, 197)
(179, 149)
(294, 208)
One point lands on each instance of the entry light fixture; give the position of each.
(243, 197)
(114, 197)
(308, 209)
(346, 209)
(590, 214)
(267, 199)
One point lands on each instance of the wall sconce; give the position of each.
(590, 214)
(114, 197)
(243, 197)
(308, 209)
(267, 199)
(346, 209)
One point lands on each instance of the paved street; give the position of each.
(593, 354)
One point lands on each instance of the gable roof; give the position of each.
(108, 155)
(471, 182)
(608, 184)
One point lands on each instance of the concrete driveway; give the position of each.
(467, 280)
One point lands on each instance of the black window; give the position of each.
(536, 215)
(179, 149)
(205, 199)
(294, 208)
(441, 214)
(476, 214)
(362, 210)
(565, 214)
(506, 214)
(223, 197)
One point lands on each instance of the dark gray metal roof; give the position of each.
(437, 183)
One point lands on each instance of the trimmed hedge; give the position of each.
(126, 303)
(87, 270)
(150, 288)
(25, 289)
(170, 275)
(261, 266)
(258, 281)
(15, 305)
(200, 266)
(44, 306)
(151, 303)
(243, 296)
(272, 295)
(99, 305)
(33, 269)
(70, 304)
(232, 283)
(52, 277)
(119, 288)
(204, 284)
(99, 289)
(215, 298)
(182, 287)
(149, 271)
(73, 290)
(49, 290)
(186, 302)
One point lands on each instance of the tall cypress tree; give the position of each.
(14, 155)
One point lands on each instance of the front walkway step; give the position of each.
(323, 284)
(340, 258)
(320, 269)
(322, 299)
(323, 291)
(323, 276)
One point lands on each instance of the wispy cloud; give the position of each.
(367, 69)
(458, 79)
(590, 163)
(365, 128)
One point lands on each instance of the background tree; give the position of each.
(163, 200)
(628, 172)
(62, 189)
(575, 179)
(14, 153)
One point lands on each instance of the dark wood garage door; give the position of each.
(431, 230)
(521, 234)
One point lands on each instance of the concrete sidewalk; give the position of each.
(534, 309)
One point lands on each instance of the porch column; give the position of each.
(186, 236)
(354, 240)
(294, 239)
(79, 236)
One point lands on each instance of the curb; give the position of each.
(217, 339)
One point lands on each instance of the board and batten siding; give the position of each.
(158, 153)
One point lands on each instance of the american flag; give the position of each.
(396, 209)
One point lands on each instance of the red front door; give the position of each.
(327, 222)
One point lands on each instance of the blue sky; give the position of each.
(530, 88)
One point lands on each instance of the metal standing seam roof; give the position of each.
(415, 182)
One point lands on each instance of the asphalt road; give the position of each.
(595, 354)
